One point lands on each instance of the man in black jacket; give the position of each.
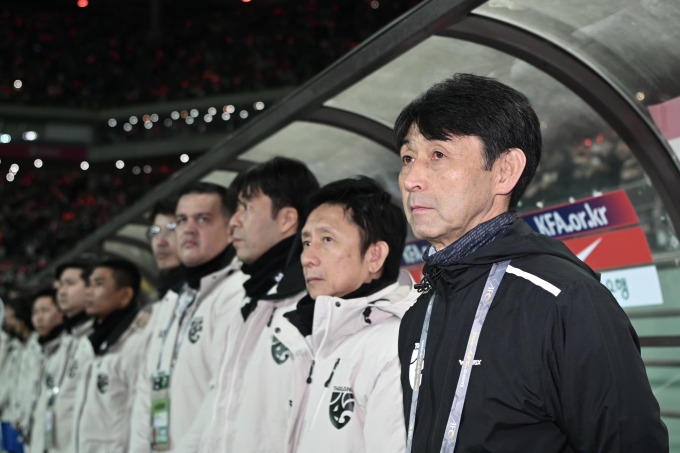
(557, 366)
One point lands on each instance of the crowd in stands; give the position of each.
(108, 54)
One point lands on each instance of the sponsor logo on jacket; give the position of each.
(195, 329)
(102, 382)
(280, 353)
(474, 362)
(342, 406)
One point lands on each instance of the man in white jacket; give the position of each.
(191, 331)
(48, 321)
(322, 373)
(110, 361)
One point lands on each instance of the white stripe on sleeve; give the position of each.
(552, 289)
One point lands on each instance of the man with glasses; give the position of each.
(191, 331)
(163, 241)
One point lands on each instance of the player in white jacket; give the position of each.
(191, 332)
(322, 374)
(110, 361)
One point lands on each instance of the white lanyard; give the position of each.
(453, 424)
(186, 299)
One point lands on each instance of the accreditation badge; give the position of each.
(160, 412)
(49, 419)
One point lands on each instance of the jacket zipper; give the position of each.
(311, 370)
(434, 415)
(328, 382)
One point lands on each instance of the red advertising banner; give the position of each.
(621, 248)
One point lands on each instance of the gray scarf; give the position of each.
(481, 235)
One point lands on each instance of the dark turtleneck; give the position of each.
(195, 274)
(171, 280)
(303, 315)
(54, 333)
(74, 321)
(264, 272)
(107, 333)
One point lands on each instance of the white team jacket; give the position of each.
(27, 381)
(50, 375)
(9, 374)
(208, 340)
(68, 373)
(106, 391)
(337, 390)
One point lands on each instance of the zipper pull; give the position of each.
(367, 315)
(328, 382)
(311, 370)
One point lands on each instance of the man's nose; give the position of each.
(415, 177)
(309, 257)
(235, 221)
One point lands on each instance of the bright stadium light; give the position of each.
(5, 138)
(259, 106)
(30, 136)
(207, 118)
(10, 177)
(147, 169)
(243, 114)
(190, 120)
(14, 169)
(136, 170)
(154, 117)
(194, 113)
(184, 158)
(167, 122)
(229, 109)
(174, 115)
(133, 120)
(120, 164)
(148, 125)
(113, 122)
(18, 84)
(38, 163)
(212, 111)
(84, 165)
(127, 127)
(226, 116)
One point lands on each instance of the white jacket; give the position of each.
(27, 381)
(51, 372)
(106, 391)
(9, 375)
(210, 337)
(337, 390)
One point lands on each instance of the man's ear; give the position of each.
(376, 256)
(287, 219)
(509, 167)
(127, 294)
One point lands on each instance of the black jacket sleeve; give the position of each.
(596, 381)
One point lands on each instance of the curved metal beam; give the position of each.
(622, 113)
(353, 122)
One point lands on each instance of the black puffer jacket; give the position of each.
(558, 366)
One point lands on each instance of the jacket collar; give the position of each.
(333, 322)
(51, 346)
(210, 281)
(107, 334)
(50, 337)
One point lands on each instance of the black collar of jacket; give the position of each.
(54, 333)
(75, 321)
(172, 280)
(303, 315)
(112, 328)
(263, 273)
(222, 260)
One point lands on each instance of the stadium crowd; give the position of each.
(58, 55)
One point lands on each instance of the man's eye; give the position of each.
(203, 219)
(437, 155)
(327, 239)
(405, 160)
(181, 221)
(306, 243)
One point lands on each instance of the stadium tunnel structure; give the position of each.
(602, 77)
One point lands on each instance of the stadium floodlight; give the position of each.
(5, 138)
(113, 122)
(38, 163)
(14, 169)
(30, 136)
(184, 158)
(133, 120)
(84, 165)
(167, 122)
(229, 109)
(190, 120)
(18, 84)
(207, 118)
(127, 127)
(136, 170)
(226, 116)
(212, 111)
(148, 125)
(174, 115)
(243, 114)
(10, 177)
(120, 164)
(194, 113)
(147, 169)
(154, 117)
(258, 105)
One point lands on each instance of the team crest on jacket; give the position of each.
(73, 369)
(49, 380)
(342, 406)
(103, 382)
(195, 329)
(280, 352)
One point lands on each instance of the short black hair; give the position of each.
(287, 182)
(164, 207)
(45, 292)
(125, 274)
(84, 266)
(209, 188)
(22, 310)
(470, 105)
(371, 209)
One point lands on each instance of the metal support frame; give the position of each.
(399, 36)
(624, 114)
(358, 124)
